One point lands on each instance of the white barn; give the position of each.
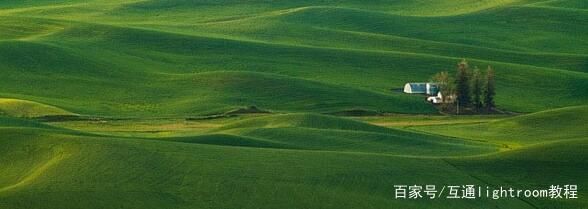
(421, 88)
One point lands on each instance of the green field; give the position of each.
(284, 104)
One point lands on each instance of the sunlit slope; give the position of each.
(577, 5)
(74, 171)
(95, 59)
(541, 127)
(531, 33)
(63, 170)
(559, 163)
(184, 58)
(84, 51)
(281, 93)
(230, 7)
(318, 132)
(459, 36)
(22, 163)
(208, 93)
(166, 175)
(29, 109)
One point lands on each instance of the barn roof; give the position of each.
(418, 87)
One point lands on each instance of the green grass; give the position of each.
(534, 167)
(540, 127)
(316, 132)
(136, 69)
(107, 53)
(16, 122)
(22, 108)
(56, 169)
(407, 121)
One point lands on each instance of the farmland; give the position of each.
(284, 104)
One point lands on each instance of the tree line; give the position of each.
(471, 90)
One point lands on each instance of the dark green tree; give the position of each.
(489, 89)
(477, 84)
(462, 84)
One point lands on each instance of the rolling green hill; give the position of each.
(23, 108)
(535, 128)
(131, 103)
(316, 132)
(49, 168)
(130, 48)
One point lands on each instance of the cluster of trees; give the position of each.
(471, 90)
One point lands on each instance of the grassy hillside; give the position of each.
(129, 48)
(540, 127)
(23, 108)
(163, 89)
(56, 169)
(162, 174)
(315, 132)
(534, 167)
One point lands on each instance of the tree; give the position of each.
(447, 88)
(462, 83)
(489, 89)
(477, 88)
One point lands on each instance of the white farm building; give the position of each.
(421, 88)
